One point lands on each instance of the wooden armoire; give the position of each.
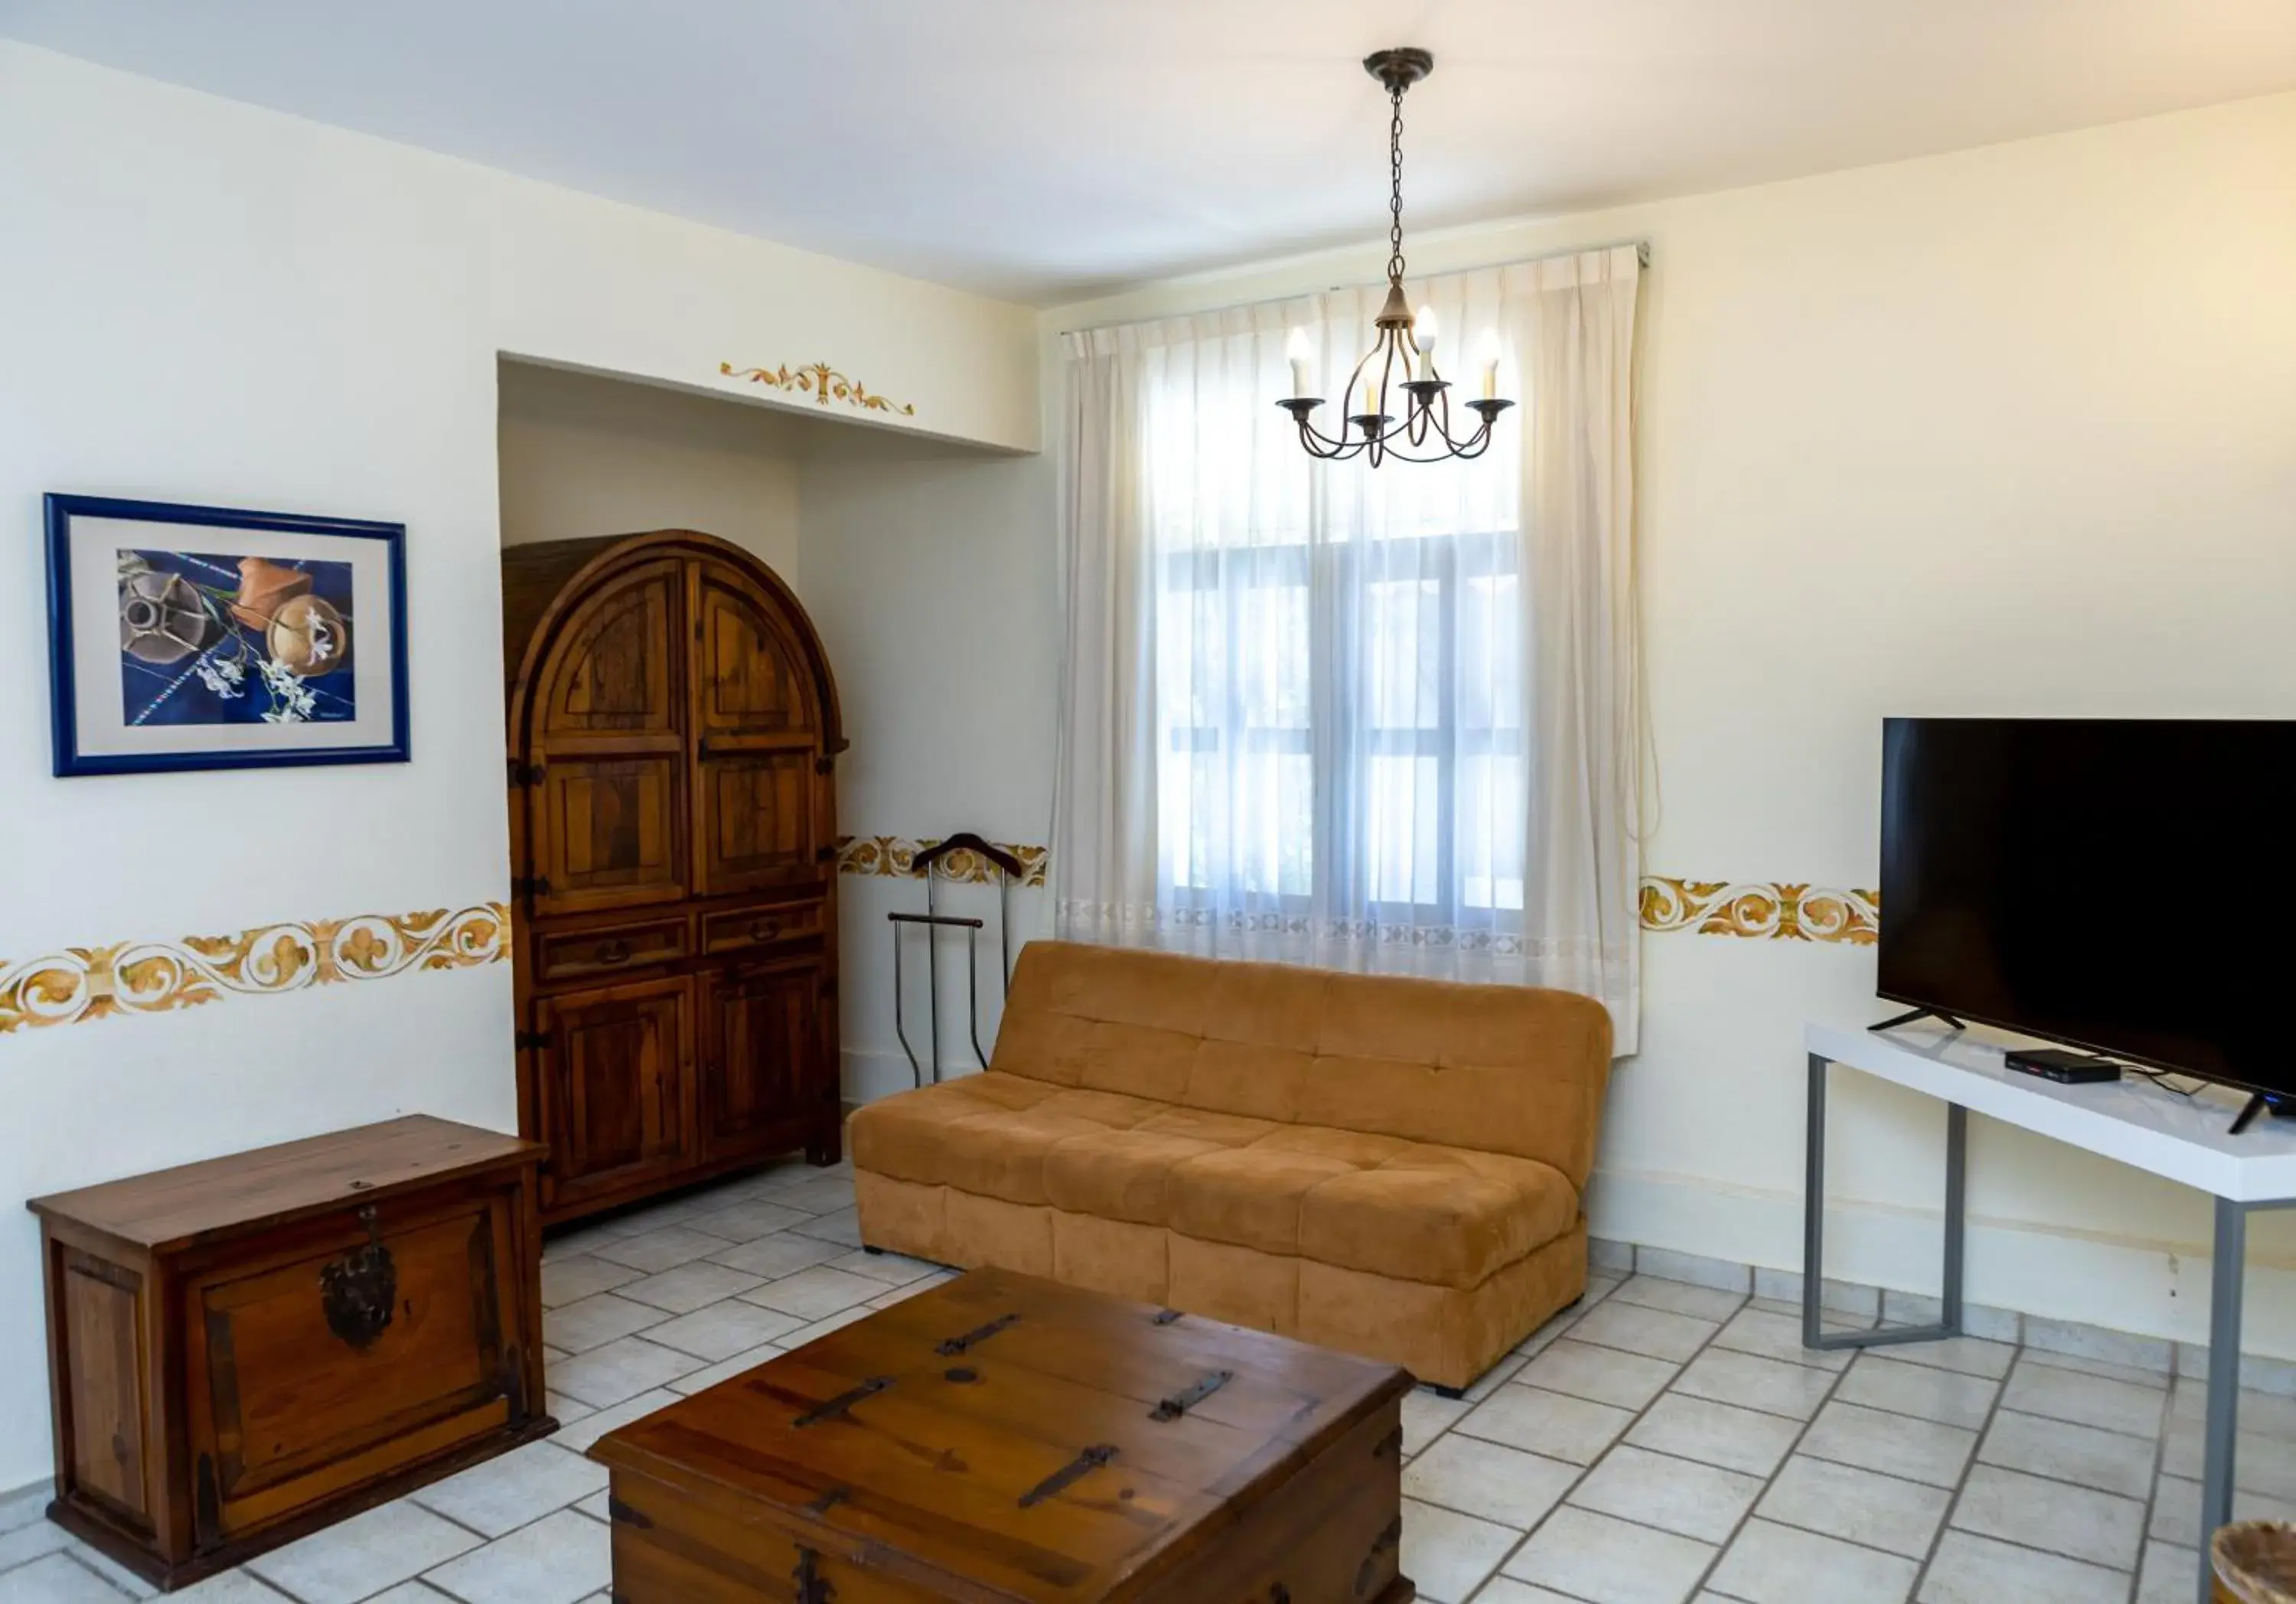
(673, 815)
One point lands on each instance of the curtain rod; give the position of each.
(1642, 255)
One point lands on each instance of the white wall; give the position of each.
(204, 302)
(2011, 432)
(581, 456)
(931, 581)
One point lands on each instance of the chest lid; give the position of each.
(173, 1209)
(1040, 1442)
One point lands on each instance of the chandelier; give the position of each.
(1399, 368)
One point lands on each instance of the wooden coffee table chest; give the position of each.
(1001, 1438)
(245, 1350)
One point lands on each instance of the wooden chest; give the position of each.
(245, 1350)
(1003, 1439)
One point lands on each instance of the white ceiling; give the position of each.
(1046, 149)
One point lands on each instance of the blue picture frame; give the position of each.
(74, 713)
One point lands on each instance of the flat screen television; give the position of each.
(2117, 885)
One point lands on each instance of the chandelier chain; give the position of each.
(1395, 191)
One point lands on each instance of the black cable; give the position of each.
(2162, 1078)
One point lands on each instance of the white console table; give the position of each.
(2131, 1121)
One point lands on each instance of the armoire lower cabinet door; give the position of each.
(615, 1076)
(763, 1060)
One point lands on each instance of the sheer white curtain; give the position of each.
(1301, 716)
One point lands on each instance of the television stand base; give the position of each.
(1910, 1015)
(2282, 1107)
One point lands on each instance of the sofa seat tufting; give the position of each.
(1391, 1165)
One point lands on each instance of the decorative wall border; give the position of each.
(1767, 910)
(1776, 911)
(820, 380)
(896, 856)
(80, 984)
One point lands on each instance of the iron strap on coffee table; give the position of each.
(2141, 1126)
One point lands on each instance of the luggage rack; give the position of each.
(933, 921)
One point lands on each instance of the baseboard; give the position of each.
(24, 1504)
(2120, 1302)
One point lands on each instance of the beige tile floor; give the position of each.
(1659, 1443)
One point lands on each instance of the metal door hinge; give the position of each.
(1091, 1459)
(824, 855)
(522, 772)
(1173, 1407)
(531, 885)
(812, 1586)
(534, 1040)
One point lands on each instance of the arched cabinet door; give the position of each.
(608, 825)
(762, 812)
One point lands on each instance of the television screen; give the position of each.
(2107, 884)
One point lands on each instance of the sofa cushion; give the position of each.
(988, 1135)
(1119, 1175)
(1437, 1215)
(1373, 1203)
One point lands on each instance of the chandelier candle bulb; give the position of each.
(1423, 335)
(1486, 357)
(1301, 354)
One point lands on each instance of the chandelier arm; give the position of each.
(1473, 446)
(1315, 441)
(1347, 395)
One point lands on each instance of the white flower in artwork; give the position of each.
(226, 678)
(323, 639)
(291, 702)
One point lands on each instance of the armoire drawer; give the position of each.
(735, 928)
(603, 950)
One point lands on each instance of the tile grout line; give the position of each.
(2152, 1492)
(1722, 1552)
(1562, 1499)
(1498, 1568)
(1961, 1482)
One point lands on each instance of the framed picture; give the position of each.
(204, 637)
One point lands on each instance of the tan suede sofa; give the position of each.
(1387, 1165)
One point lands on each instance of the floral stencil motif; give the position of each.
(80, 984)
(1777, 911)
(820, 380)
(894, 856)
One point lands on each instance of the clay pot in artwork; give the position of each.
(161, 619)
(310, 636)
(264, 587)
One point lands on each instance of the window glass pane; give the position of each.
(1491, 832)
(1402, 649)
(1403, 824)
(1490, 641)
(1272, 642)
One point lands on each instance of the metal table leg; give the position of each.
(1812, 1229)
(2227, 1273)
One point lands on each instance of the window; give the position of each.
(1338, 681)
